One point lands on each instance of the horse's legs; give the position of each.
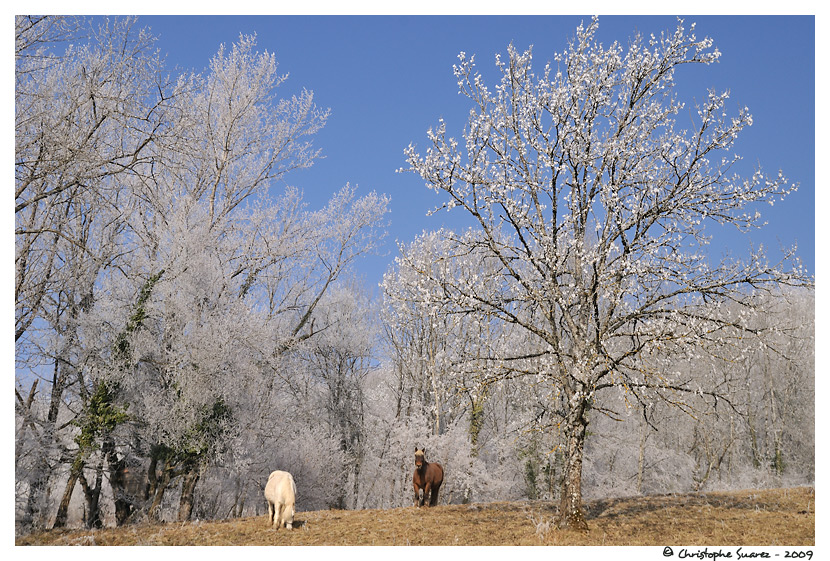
(418, 501)
(278, 519)
(433, 497)
(428, 491)
(270, 513)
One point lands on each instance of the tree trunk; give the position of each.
(189, 481)
(154, 513)
(570, 509)
(36, 512)
(63, 507)
(436, 395)
(239, 506)
(118, 481)
(641, 459)
(157, 485)
(476, 420)
(93, 498)
(152, 478)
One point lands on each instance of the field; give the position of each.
(776, 517)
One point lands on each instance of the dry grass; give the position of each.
(750, 518)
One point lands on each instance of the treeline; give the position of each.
(344, 420)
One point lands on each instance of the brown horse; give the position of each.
(428, 476)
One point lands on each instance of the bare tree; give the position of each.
(243, 271)
(144, 219)
(591, 201)
(85, 114)
(81, 118)
(442, 355)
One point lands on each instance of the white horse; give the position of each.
(280, 492)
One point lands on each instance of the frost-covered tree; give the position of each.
(760, 436)
(159, 269)
(327, 380)
(238, 274)
(445, 366)
(436, 351)
(418, 335)
(85, 115)
(590, 199)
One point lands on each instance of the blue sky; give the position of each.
(387, 79)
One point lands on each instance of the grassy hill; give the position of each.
(752, 518)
